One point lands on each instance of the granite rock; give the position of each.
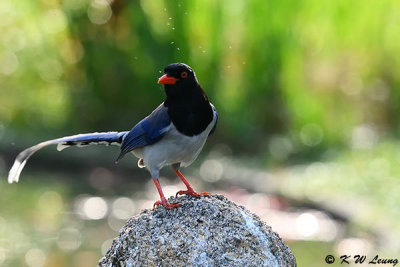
(206, 231)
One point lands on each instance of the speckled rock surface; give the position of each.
(207, 231)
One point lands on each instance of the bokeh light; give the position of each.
(7, 13)
(123, 208)
(50, 70)
(35, 258)
(311, 134)
(8, 63)
(14, 39)
(51, 202)
(101, 178)
(114, 223)
(2, 255)
(99, 11)
(69, 239)
(93, 208)
(280, 147)
(308, 130)
(307, 225)
(211, 170)
(354, 246)
(53, 21)
(363, 136)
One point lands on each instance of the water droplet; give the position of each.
(244, 62)
(169, 18)
(178, 48)
(172, 42)
(230, 47)
(185, 13)
(228, 67)
(173, 28)
(203, 51)
(160, 71)
(168, 23)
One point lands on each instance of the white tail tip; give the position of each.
(13, 175)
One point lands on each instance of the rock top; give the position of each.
(206, 231)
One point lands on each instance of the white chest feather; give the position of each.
(174, 147)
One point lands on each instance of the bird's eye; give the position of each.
(184, 75)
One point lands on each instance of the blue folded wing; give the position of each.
(148, 131)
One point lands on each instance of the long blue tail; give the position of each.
(109, 138)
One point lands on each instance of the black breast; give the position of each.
(191, 117)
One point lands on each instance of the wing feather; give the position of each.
(148, 131)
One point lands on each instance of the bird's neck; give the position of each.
(194, 97)
(190, 112)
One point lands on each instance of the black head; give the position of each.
(188, 105)
(178, 78)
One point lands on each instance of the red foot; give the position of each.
(192, 193)
(166, 204)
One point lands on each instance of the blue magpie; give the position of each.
(173, 134)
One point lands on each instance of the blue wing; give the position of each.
(148, 131)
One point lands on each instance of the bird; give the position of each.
(172, 135)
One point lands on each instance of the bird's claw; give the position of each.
(192, 193)
(166, 204)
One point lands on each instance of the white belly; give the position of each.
(174, 147)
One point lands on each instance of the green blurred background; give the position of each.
(307, 93)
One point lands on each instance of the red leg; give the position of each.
(189, 190)
(163, 202)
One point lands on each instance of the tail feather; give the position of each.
(109, 138)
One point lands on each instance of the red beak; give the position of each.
(165, 79)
